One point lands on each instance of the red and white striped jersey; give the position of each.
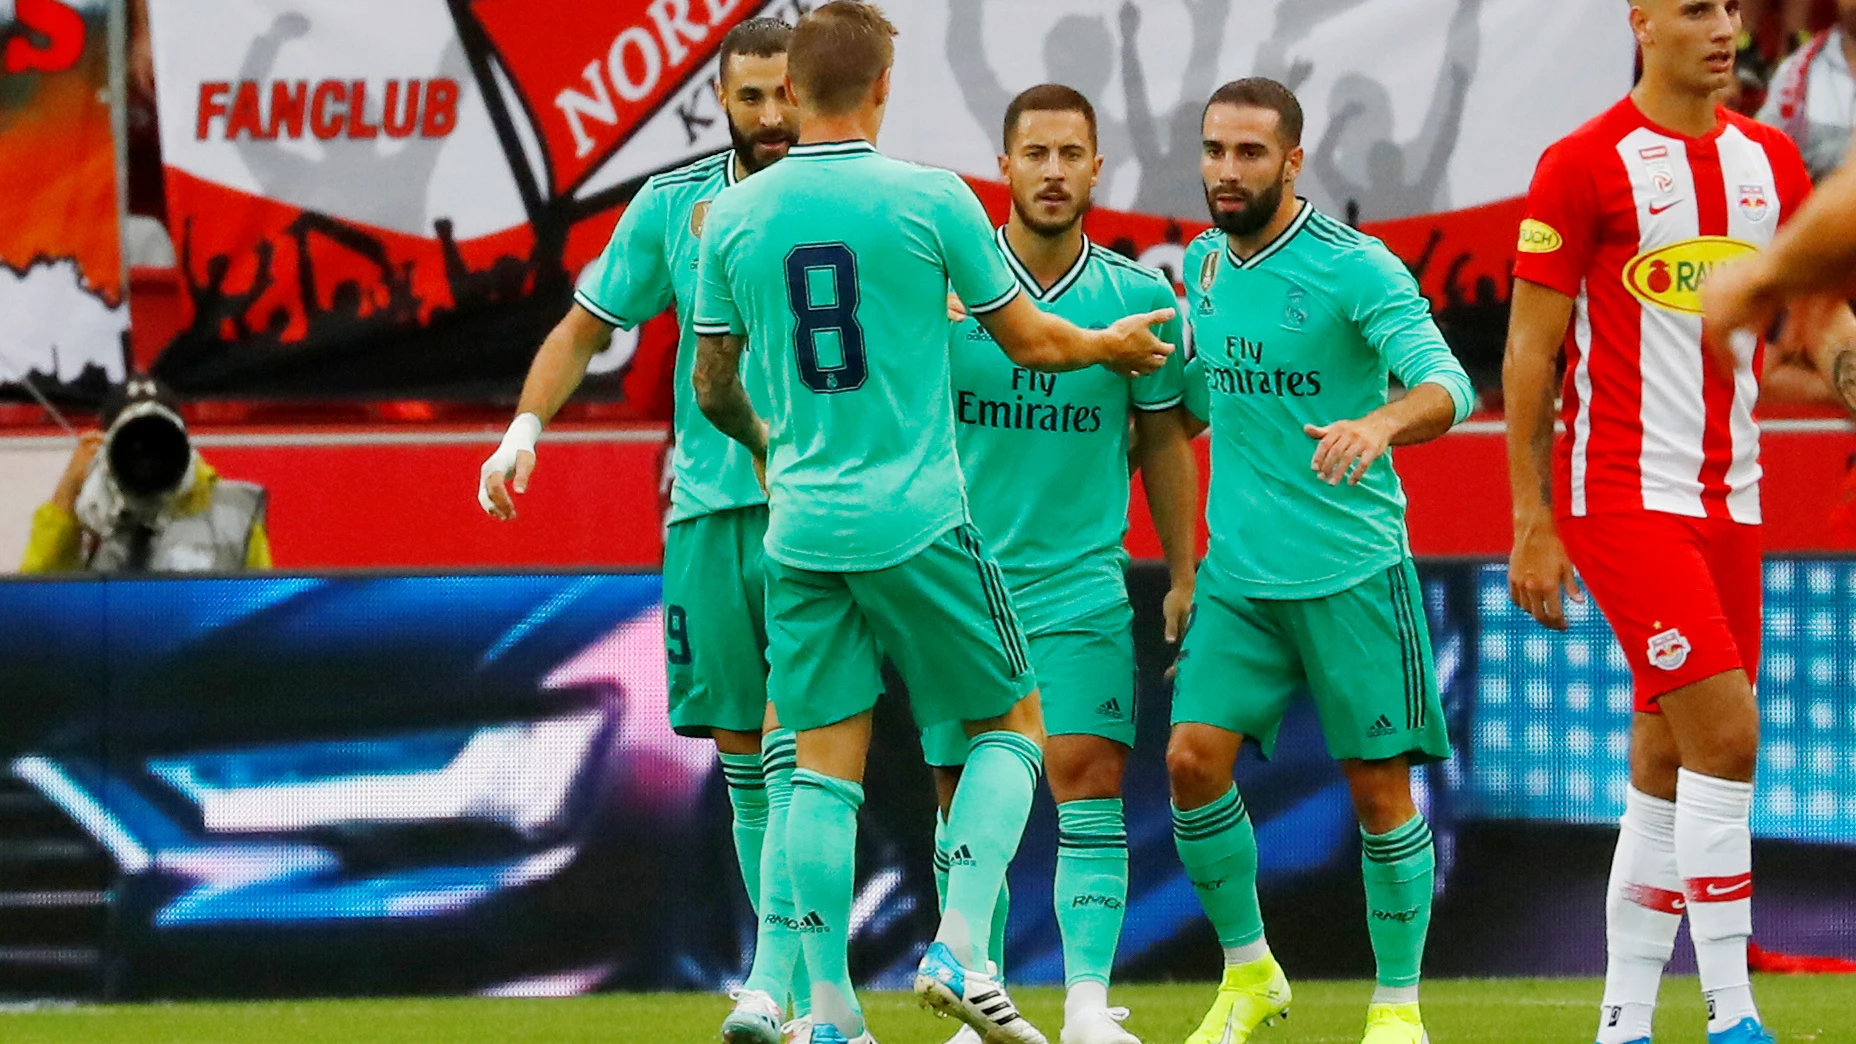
(1627, 218)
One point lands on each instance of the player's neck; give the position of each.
(1047, 258)
(1246, 247)
(1673, 107)
(815, 129)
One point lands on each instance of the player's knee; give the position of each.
(1082, 780)
(1381, 795)
(1731, 752)
(1198, 773)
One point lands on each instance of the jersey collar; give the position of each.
(728, 169)
(828, 149)
(1030, 282)
(1274, 246)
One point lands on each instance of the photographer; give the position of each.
(137, 498)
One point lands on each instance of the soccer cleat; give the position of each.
(755, 1020)
(974, 997)
(1746, 1031)
(1394, 1024)
(1098, 1026)
(1250, 995)
(1639, 1040)
(798, 1031)
(967, 1035)
(826, 1033)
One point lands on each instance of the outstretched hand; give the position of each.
(1133, 348)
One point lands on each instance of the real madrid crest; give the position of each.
(1208, 272)
(698, 214)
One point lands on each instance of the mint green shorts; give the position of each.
(715, 625)
(1363, 654)
(1085, 672)
(943, 617)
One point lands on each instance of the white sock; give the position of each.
(1236, 955)
(1088, 995)
(1714, 852)
(1395, 994)
(1643, 909)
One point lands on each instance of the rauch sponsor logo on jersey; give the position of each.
(1670, 277)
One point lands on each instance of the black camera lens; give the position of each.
(149, 456)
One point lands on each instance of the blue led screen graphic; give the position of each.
(280, 785)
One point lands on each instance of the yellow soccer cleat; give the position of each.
(1394, 1024)
(1250, 995)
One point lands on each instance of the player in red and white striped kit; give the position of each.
(1654, 494)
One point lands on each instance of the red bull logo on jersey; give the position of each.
(1670, 277)
(1753, 202)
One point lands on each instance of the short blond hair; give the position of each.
(838, 53)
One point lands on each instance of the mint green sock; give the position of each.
(747, 795)
(779, 966)
(1399, 867)
(988, 820)
(1219, 849)
(1091, 892)
(995, 948)
(821, 851)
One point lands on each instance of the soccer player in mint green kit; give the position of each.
(831, 272)
(1046, 458)
(714, 623)
(1297, 321)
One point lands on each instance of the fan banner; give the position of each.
(392, 200)
(61, 287)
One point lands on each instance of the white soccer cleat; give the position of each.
(1098, 1026)
(798, 1031)
(755, 1020)
(974, 997)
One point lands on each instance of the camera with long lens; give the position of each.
(147, 452)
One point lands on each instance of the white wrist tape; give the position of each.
(522, 434)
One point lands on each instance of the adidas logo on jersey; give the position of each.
(961, 857)
(1382, 727)
(1110, 708)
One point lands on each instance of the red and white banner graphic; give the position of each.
(392, 199)
(62, 317)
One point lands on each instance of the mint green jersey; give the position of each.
(1304, 332)
(834, 264)
(648, 265)
(1046, 454)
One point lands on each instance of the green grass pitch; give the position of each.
(1512, 1011)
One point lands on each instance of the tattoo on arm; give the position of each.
(1843, 374)
(722, 397)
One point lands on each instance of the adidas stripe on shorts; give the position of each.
(1085, 672)
(1363, 654)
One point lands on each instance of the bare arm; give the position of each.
(1037, 340)
(1538, 570)
(1170, 475)
(560, 365)
(558, 368)
(1820, 331)
(722, 397)
(1349, 448)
